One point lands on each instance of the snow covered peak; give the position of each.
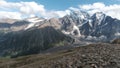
(79, 14)
(99, 15)
(34, 19)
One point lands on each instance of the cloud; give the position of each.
(75, 9)
(14, 15)
(50, 14)
(19, 10)
(31, 8)
(93, 6)
(23, 8)
(111, 10)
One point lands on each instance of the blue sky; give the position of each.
(65, 4)
(20, 9)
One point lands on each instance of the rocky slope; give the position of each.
(116, 41)
(91, 56)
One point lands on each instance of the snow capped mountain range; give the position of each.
(77, 23)
(98, 25)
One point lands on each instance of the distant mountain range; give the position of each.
(98, 25)
(77, 23)
(33, 35)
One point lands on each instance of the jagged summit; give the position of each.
(79, 14)
(99, 15)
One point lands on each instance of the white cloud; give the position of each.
(31, 8)
(62, 13)
(111, 10)
(75, 9)
(93, 6)
(13, 15)
(19, 10)
(26, 9)
(23, 8)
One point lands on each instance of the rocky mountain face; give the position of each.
(71, 23)
(102, 25)
(53, 22)
(97, 26)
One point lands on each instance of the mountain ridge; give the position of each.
(79, 28)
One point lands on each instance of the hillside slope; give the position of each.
(31, 41)
(91, 56)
